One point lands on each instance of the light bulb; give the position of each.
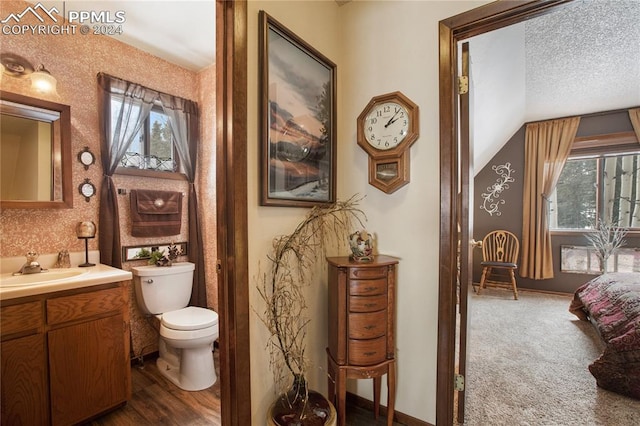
(42, 81)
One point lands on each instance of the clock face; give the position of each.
(386, 126)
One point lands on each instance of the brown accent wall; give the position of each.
(75, 60)
(511, 211)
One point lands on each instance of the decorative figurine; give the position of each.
(361, 244)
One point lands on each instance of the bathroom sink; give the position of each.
(52, 275)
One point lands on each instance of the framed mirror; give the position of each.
(35, 153)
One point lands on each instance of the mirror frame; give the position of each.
(65, 154)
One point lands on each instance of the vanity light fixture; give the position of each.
(42, 81)
(16, 66)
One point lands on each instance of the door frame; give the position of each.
(452, 30)
(231, 210)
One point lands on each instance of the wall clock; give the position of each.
(386, 129)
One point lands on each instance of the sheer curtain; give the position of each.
(119, 123)
(634, 115)
(547, 147)
(184, 118)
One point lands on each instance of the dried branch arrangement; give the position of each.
(282, 287)
(606, 239)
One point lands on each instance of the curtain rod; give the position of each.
(592, 114)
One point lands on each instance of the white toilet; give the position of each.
(186, 333)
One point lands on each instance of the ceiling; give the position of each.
(581, 58)
(181, 32)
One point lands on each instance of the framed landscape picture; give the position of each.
(297, 120)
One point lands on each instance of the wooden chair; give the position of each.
(500, 260)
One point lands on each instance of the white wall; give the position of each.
(379, 47)
(498, 90)
(316, 22)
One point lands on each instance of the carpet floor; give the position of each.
(527, 364)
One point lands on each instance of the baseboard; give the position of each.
(405, 419)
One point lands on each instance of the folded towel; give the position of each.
(155, 213)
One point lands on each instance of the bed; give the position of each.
(612, 303)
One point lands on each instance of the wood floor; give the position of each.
(156, 401)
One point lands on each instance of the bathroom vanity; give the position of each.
(65, 347)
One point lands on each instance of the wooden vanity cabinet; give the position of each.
(361, 328)
(24, 393)
(83, 351)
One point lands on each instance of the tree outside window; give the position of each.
(602, 187)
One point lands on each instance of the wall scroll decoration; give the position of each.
(491, 201)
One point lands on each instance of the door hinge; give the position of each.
(458, 382)
(463, 85)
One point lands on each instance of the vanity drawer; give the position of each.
(367, 325)
(367, 303)
(84, 305)
(367, 287)
(368, 273)
(367, 352)
(21, 318)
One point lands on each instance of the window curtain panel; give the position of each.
(634, 115)
(547, 147)
(184, 118)
(118, 127)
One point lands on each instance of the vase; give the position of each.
(300, 406)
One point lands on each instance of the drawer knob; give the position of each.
(370, 288)
(369, 327)
(369, 305)
(369, 353)
(149, 281)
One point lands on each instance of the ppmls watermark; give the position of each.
(102, 22)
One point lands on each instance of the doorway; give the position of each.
(453, 30)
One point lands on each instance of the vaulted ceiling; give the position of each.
(581, 58)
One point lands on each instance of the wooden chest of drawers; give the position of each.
(361, 326)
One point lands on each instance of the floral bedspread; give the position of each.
(612, 302)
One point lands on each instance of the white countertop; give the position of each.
(88, 276)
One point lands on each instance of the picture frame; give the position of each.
(297, 120)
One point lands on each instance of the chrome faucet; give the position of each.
(31, 266)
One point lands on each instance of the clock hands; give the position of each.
(393, 118)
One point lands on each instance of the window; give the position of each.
(599, 186)
(153, 146)
(583, 259)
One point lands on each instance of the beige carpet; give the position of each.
(527, 365)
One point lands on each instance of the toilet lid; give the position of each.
(189, 318)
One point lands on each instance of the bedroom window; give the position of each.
(601, 186)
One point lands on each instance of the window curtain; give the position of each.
(547, 147)
(184, 118)
(118, 127)
(634, 115)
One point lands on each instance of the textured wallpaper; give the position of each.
(75, 60)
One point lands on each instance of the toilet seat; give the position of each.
(190, 318)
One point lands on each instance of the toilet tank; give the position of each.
(163, 288)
